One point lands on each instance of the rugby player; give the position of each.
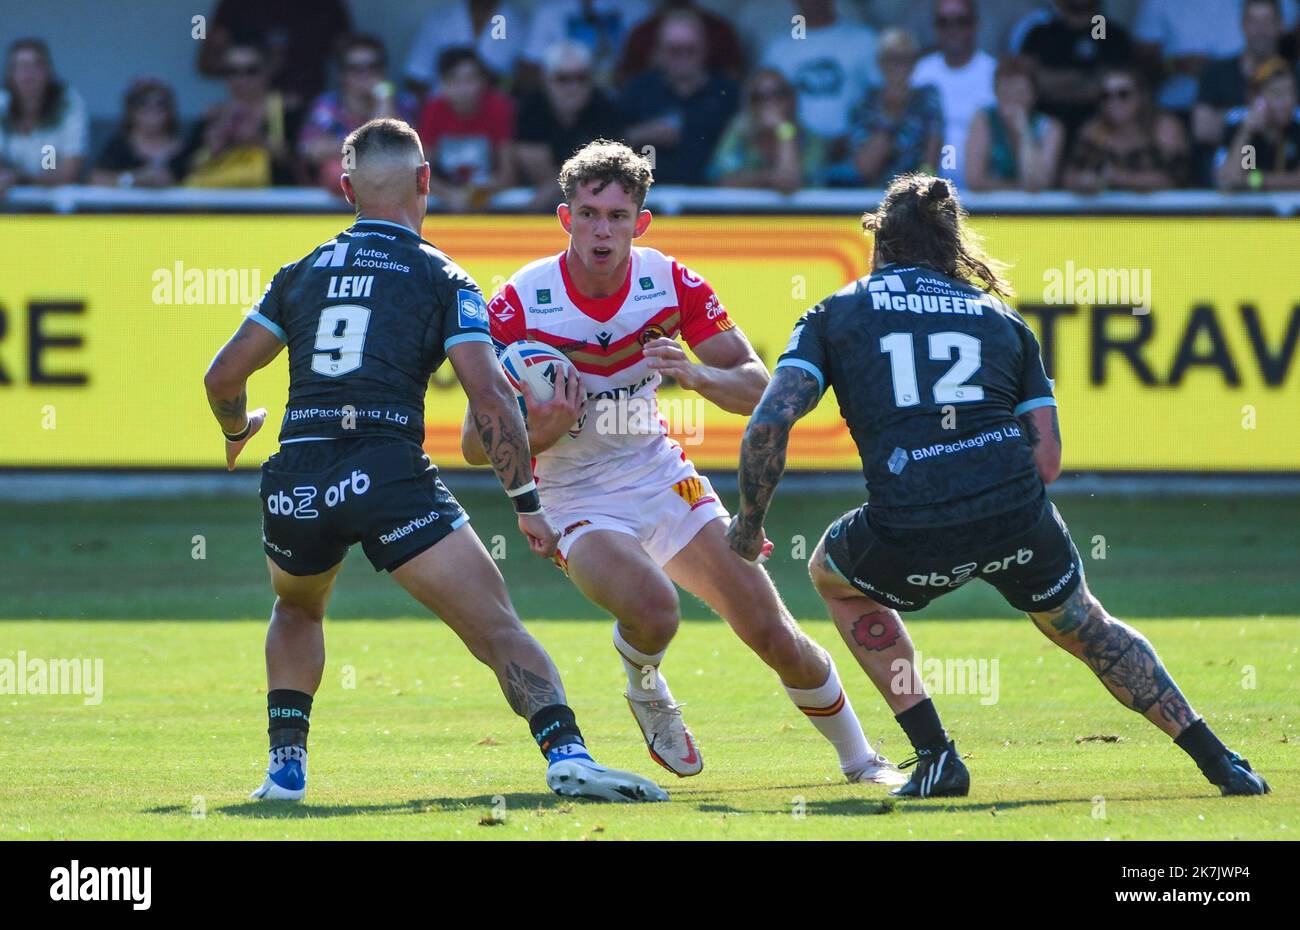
(944, 392)
(368, 317)
(636, 516)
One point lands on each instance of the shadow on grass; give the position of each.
(294, 810)
(884, 805)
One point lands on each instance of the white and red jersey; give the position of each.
(623, 441)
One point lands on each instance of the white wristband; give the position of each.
(522, 489)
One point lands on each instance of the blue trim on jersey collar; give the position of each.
(405, 229)
(1034, 404)
(805, 366)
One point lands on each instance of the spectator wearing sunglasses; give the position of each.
(764, 145)
(148, 149)
(1262, 150)
(243, 141)
(1070, 60)
(567, 113)
(364, 93)
(1128, 145)
(963, 76)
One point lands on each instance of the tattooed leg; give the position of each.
(1120, 656)
(457, 580)
(874, 634)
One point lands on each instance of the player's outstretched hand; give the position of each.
(541, 535)
(667, 357)
(255, 420)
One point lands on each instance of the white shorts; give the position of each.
(664, 516)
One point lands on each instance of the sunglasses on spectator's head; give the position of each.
(571, 77)
(362, 64)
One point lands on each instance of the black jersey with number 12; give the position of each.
(367, 318)
(931, 375)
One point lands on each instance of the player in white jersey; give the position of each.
(636, 516)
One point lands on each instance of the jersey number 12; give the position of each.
(340, 336)
(949, 389)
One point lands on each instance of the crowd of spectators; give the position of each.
(783, 96)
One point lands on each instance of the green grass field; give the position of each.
(412, 740)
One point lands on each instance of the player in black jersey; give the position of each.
(943, 390)
(367, 318)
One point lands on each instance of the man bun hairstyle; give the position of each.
(921, 222)
(606, 162)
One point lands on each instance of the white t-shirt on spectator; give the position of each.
(26, 153)
(963, 92)
(831, 69)
(450, 26)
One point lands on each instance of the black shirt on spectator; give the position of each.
(539, 124)
(1055, 45)
(1270, 154)
(118, 157)
(704, 115)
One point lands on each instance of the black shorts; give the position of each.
(318, 498)
(1026, 554)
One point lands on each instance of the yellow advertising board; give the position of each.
(1174, 341)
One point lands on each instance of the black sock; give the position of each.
(554, 726)
(289, 713)
(922, 726)
(1199, 742)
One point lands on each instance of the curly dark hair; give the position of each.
(920, 222)
(607, 161)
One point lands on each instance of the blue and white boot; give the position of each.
(286, 775)
(572, 773)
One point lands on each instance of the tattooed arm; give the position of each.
(252, 347)
(498, 426)
(1043, 430)
(791, 394)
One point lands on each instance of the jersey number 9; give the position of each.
(340, 336)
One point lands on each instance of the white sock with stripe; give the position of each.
(642, 670)
(828, 707)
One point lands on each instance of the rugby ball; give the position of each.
(536, 364)
(541, 367)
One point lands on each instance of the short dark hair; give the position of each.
(381, 135)
(456, 56)
(607, 161)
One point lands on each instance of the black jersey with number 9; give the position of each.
(367, 318)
